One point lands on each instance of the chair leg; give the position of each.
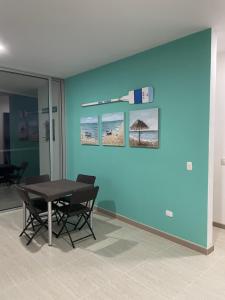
(75, 227)
(56, 216)
(60, 219)
(25, 228)
(35, 234)
(32, 222)
(69, 236)
(83, 223)
(86, 218)
(63, 226)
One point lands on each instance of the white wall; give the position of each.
(212, 113)
(4, 107)
(219, 150)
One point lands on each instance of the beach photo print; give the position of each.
(89, 127)
(144, 128)
(113, 129)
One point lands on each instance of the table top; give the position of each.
(53, 190)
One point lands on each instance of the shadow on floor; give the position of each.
(117, 247)
(101, 229)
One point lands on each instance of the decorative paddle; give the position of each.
(138, 96)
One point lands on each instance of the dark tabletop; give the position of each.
(53, 190)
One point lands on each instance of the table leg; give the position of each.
(50, 223)
(24, 215)
(91, 218)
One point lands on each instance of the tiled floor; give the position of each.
(124, 263)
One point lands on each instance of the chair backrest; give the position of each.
(21, 170)
(26, 199)
(23, 194)
(84, 196)
(24, 165)
(86, 179)
(36, 179)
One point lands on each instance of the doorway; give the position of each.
(30, 131)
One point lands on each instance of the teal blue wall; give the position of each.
(142, 183)
(26, 150)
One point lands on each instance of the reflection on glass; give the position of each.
(24, 149)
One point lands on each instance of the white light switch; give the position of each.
(189, 165)
(169, 213)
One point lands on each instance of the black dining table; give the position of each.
(51, 191)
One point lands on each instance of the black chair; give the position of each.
(35, 215)
(5, 171)
(86, 179)
(37, 179)
(79, 206)
(38, 202)
(89, 179)
(16, 177)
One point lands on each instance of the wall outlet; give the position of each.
(189, 165)
(169, 213)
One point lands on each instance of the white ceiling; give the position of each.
(65, 37)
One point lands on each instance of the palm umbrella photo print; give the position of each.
(144, 128)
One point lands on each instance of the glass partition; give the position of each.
(24, 132)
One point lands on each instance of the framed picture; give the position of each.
(89, 127)
(23, 133)
(144, 128)
(113, 129)
(22, 126)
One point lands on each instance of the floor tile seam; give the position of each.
(185, 281)
(6, 289)
(111, 264)
(199, 277)
(85, 297)
(34, 279)
(96, 287)
(145, 261)
(115, 266)
(58, 267)
(146, 286)
(113, 285)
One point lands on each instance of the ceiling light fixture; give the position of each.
(3, 48)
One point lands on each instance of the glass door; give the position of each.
(24, 132)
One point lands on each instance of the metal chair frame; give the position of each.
(79, 197)
(35, 216)
(89, 179)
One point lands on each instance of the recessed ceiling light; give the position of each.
(3, 48)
